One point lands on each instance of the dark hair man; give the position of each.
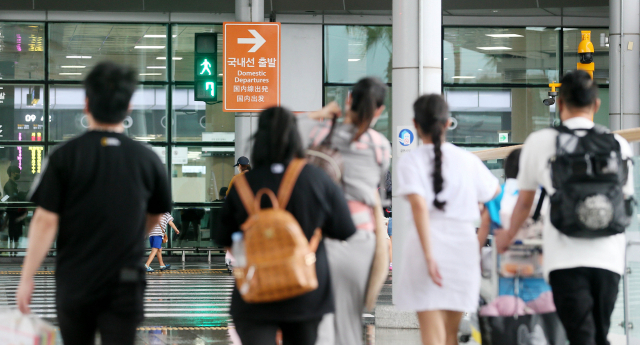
(101, 193)
(584, 246)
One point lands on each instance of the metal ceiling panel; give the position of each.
(573, 3)
(521, 12)
(8, 5)
(363, 5)
(84, 5)
(304, 5)
(190, 6)
(488, 4)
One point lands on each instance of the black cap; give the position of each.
(242, 160)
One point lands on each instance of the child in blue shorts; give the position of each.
(155, 241)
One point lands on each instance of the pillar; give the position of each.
(247, 123)
(406, 87)
(624, 61)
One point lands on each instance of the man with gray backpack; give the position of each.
(586, 171)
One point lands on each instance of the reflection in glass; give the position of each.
(199, 121)
(74, 48)
(21, 112)
(340, 94)
(497, 115)
(354, 52)
(183, 43)
(600, 40)
(16, 220)
(21, 51)
(198, 173)
(146, 122)
(500, 55)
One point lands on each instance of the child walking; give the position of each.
(155, 240)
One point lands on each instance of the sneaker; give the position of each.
(166, 267)
(149, 269)
(390, 266)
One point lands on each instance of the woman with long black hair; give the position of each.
(366, 155)
(440, 274)
(316, 202)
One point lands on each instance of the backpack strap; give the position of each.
(245, 193)
(289, 180)
(536, 213)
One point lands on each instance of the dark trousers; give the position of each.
(584, 299)
(116, 317)
(264, 332)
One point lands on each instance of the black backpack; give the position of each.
(588, 173)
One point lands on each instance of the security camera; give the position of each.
(549, 101)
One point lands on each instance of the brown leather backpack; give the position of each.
(324, 156)
(280, 260)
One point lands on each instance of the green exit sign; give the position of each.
(205, 67)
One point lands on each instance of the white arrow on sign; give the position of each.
(257, 41)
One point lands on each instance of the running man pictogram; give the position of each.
(206, 65)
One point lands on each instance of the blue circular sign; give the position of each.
(406, 137)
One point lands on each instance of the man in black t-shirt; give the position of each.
(15, 216)
(103, 193)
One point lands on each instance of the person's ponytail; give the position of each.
(438, 180)
(367, 96)
(431, 115)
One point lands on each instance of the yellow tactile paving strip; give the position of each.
(192, 271)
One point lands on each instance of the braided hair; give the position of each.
(431, 114)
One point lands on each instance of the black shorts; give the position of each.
(116, 316)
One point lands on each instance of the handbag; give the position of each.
(326, 157)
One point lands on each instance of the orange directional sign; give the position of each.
(251, 66)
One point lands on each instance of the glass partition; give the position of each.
(197, 226)
(500, 55)
(14, 222)
(21, 51)
(146, 122)
(183, 41)
(21, 112)
(199, 121)
(199, 172)
(354, 52)
(74, 48)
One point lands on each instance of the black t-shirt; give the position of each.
(316, 202)
(102, 185)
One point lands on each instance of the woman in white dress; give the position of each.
(440, 273)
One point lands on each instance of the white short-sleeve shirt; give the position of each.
(561, 251)
(467, 181)
(159, 229)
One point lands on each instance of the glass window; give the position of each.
(600, 40)
(198, 121)
(183, 45)
(18, 230)
(340, 94)
(497, 115)
(198, 172)
(76, 47)
(197, 226)
(500, 55)
(27, 160)
(147, 121)
(21, 112)
(21, 51)
(354, 52)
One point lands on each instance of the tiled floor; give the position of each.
(188, 305)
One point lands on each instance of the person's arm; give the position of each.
(174, 227)
(420, 212)
(152, 221)
(485, 225)
(521, 212)
(42, 232)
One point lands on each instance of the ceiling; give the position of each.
(595, 8)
